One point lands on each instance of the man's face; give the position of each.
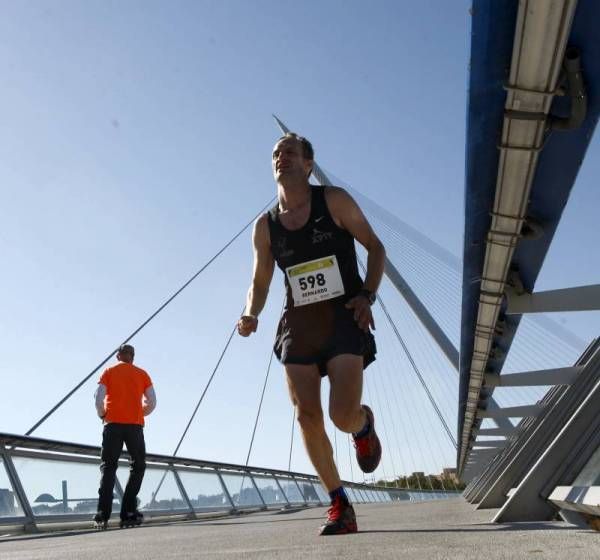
(288, 160)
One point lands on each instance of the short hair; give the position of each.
(126, 349)
(307, 149)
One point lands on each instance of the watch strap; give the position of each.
(371, 296)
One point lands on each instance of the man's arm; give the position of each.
(262, 274)
(99, 397)
(149, 403)
(348, 215)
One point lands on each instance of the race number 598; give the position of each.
(315, 280)
(312, 281)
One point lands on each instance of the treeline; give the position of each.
(421, 482)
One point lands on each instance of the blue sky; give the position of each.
(135, 142)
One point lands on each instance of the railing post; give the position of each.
(15, 481)
(225, 491)
(287, 502)
(264, 504)
(304, 503)
(183, 492)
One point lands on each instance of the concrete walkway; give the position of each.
(448, 529)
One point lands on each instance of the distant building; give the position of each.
(7, 502)
(450, 474)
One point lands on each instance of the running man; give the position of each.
(325, 327)
(124, 396)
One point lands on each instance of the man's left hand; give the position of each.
(362, 312)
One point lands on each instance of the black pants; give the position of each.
(113, 437)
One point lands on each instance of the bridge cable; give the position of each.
(259, 409)
(410, 233)
(523, 351)
(392, 383)
(443, 299)
(430, 366)
(545, 327)
(407, 247)
(413, 416)
(385, 432)
(449, 265)
(452, 262)
(185, 431)
(292, 438)
(255, 426)
(350, 457)
(335, 445)
(429, 354)
(539, 324)
(136, 331)
(378, 407)
(429, 449)
(262, 396)
(414, 365)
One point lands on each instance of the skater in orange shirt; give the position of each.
(124, 396)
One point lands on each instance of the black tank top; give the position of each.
(319, 237)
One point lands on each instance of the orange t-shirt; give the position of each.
(125, 384)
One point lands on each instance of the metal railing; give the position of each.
(33, 468)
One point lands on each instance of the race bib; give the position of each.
(316, 280)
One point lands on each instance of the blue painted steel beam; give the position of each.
(492, 33)
(493, 27)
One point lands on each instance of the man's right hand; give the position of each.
(247, 325)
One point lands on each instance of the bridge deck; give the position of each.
(428, 530)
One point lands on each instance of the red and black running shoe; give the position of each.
(368, 447)
(341, 518)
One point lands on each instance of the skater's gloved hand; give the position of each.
(362, 312)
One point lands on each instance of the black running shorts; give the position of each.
(315, 333)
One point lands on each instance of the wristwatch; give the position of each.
(371, 296)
